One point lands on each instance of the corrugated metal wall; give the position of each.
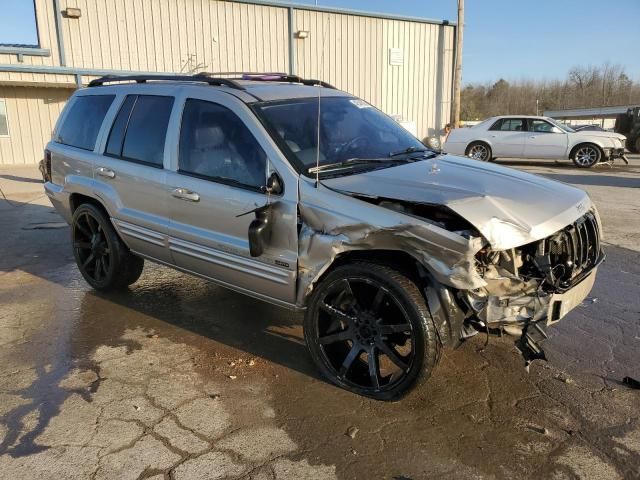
(176, 36)
(31, 114)
(350, 51)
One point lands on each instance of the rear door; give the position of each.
(221, 165)
(545, 140)
(507, 137)
(130, 174)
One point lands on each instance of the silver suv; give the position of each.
(307, 197)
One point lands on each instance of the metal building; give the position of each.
(603, 116)
(402, 65)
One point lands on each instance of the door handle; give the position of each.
(532, 136)
(184, 194)
(105, 172)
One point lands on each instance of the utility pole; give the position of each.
(457, 78)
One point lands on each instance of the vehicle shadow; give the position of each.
(17, 178)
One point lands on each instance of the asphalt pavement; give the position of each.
(178, 378)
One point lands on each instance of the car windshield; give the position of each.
(562, 126)
(350, 129)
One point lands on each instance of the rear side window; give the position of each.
(509, 125)
(82, 123)
(140, 129)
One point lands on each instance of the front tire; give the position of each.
(586, 155)
(103, 259)
(479, 151)
(369, 331)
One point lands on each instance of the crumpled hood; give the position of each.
(508, 207)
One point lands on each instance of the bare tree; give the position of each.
(584, 86)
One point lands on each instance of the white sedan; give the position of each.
(534, 137)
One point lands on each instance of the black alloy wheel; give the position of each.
(92, 248)
(102, 258)
(369, 331)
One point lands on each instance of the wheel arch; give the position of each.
(585, 143)
(476, 141)
(447, 314)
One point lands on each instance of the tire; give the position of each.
(479, 151)
(103, 259)
(368, 310)
(586, 155)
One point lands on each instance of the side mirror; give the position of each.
(274, 185)
(260, 230)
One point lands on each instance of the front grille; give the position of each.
(573, 250)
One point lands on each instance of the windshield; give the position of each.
(562, 126)
(350, 129)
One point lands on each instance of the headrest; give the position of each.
(209, 136)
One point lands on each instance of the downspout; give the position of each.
(58, 22)
(292, 43)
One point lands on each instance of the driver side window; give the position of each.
(540, 126)
(215, 144)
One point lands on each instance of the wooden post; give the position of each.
(457, 79)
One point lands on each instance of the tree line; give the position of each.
(591, 86)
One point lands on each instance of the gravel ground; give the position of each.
(178, 378)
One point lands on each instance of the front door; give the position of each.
(221, 167)
(545, 140)
(507, 137)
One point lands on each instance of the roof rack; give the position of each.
(200, 77)
(270, 77)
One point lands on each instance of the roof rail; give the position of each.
(269, 77)
(169, 77)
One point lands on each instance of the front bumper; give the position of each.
(613, 153)
(562, 303)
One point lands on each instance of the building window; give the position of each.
(20, 27)
(4, 123)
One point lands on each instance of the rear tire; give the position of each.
(368, 329)
(103, 259)
(479, 151)
(586, 155)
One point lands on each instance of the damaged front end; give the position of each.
(491, 262)
(535, 285)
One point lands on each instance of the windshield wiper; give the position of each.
(358, 161)
(408, 150)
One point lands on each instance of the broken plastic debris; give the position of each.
(352, 432)
(536, 428)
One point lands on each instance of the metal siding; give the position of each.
(352, 53)
(31, 114)
(349, 51)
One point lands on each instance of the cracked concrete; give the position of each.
(137, 385)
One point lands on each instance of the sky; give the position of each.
(508, 39)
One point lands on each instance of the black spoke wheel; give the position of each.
(369, 330)
(103, 260)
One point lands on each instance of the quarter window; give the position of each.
(216, 144)
(4, 124)
(82, 123)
